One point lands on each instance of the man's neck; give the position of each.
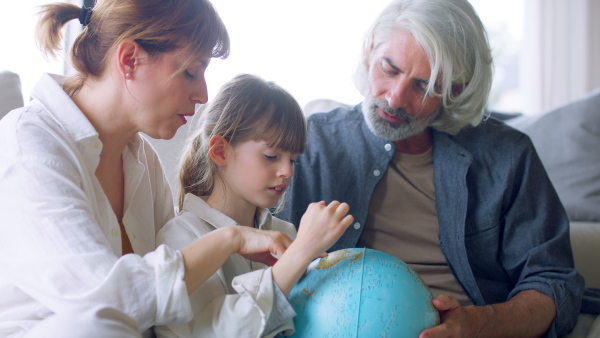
(417, 144)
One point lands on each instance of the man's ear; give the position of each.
(458, 88)
(128, 56)
(218, 149)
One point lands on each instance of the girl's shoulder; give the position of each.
(183, 229)
(283, 226)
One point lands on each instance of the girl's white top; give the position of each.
(240, 299)
(60, 247)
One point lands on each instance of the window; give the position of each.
(20, 53)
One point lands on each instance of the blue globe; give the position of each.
(362, 293)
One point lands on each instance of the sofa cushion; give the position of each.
(11, 96)
(585, 242)
(567, 140)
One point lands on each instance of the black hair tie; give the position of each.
(84, 15)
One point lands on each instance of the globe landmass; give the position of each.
(362, 293)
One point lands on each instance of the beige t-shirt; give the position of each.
(403, 222)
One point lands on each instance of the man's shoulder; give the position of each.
(335, 116)
(490, 130)
(493, 138)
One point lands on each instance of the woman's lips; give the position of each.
(183, 117)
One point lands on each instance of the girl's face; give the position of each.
(162, 102)
(257, 174)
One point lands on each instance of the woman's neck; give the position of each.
(100, 102)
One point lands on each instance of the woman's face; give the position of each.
(162, 101)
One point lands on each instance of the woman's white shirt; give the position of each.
(240, 299)
(60, 247)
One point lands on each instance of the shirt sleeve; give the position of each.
(536, 251)
(54, 251)
(218, 312)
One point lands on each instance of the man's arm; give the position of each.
(528, 314)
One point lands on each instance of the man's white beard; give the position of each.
(394, 131)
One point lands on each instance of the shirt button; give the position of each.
(115, 232)
(376, 172)
(356, 225)
(388, 147)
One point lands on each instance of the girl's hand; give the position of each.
(321, 226)
(259, 245)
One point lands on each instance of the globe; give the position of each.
(361, 293)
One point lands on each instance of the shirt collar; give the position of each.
(49, 93)
(198, 206)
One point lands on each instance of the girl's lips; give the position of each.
(388, 117)
(278, 190)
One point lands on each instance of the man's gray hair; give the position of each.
(456, 43)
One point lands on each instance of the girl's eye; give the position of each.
(294, 162)
(188, 75)
(269, 157)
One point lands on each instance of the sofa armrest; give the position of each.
(11, 96)
(585, 241)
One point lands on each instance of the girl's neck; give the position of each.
(242, 212)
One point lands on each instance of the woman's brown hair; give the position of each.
(158, 26)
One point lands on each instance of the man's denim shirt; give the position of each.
(502, 227)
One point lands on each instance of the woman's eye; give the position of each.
(188, 75)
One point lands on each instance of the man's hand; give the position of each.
(455, 319)
(528, 314)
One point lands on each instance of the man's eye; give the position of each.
(387, 69)
(188, 75)
(422, 86)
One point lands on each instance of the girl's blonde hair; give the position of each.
(158, 26)
(247, 108)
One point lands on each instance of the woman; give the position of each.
(80, 188)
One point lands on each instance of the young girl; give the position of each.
(235, 168)
(82, 192)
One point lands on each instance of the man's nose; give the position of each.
(399, 93)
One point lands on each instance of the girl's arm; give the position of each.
(203, 257)
(320, 227)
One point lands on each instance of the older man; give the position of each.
(464, 200)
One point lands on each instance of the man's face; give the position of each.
(393, 105)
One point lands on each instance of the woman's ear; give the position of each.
(128, 54)
(218, 148)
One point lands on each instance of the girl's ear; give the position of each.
(218, 147)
